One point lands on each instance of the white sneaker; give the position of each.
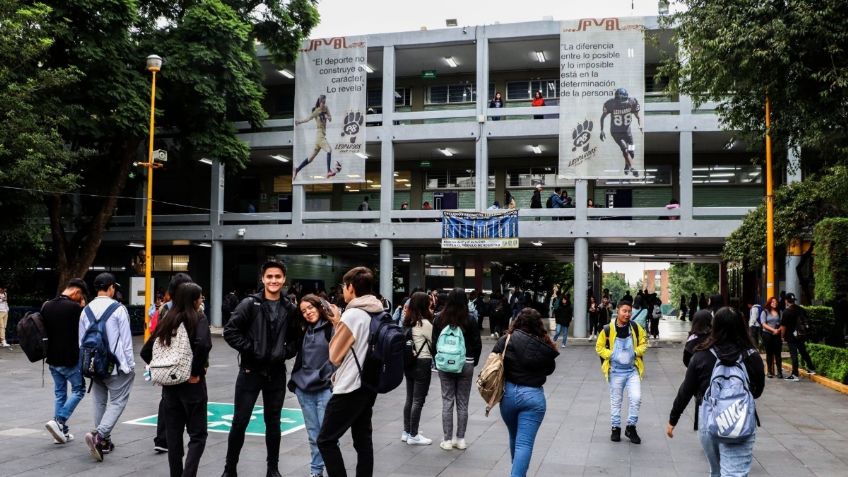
(56, 431)
(4, 344)
(419, 440)
(69, 437)
(460, 444)
(446, 445)
(404, 436)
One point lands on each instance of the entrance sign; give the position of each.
(480, 230)
(602, 89)
(329, 111)
(219, 416)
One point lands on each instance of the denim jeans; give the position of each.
(313, 405)
(64, 406)
(522, 410)
(561, 329)
(617, 382)
(417, 385)
(727, 460)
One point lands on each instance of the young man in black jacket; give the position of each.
(263, 330)
(794, 336)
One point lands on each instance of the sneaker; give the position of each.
(770, 376)
(615, 435)
(791, 378)
(446, 445)
(780, 376)
(811, 372)
(159, 449)
(4, 344)
(55, 430)
(108, 447)
(95, 445)
(69, 437)
(460, 444)
(630, 432)
(419, 440)
(404, 436)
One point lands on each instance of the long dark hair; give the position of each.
(183, 312)
(530, 321)
(318, 303)
(418, 309)
(455, 312)
(729, 327)
(701, 323)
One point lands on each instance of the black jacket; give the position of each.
(536, 200)
(528, 361)
(564, 314)
(689, 348)
(61, 324)
(701, 369)
(201, 344)
(473, 343)
(262, 346)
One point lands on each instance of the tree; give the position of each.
(537, 277)
(32, 156)
(687, 278)
(738, 51)
(616, 284)
(211, 78)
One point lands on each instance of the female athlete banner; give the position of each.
(329, 111)
(602, 88)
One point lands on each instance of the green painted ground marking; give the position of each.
(220, 418)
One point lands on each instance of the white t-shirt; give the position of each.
(346, 379)
(4, 304)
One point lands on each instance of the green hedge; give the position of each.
(831, 263)
(821, 320)
(831, 362)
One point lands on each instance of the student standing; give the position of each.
(185, 403)
(728, 342)
(456, 387)
(622, 345)
(772, 341)
(262, 329)
(419, 320)
(352, 403)
(563, 316)
(793, 329)
(4, 316)
(312, 371)
(530, 357)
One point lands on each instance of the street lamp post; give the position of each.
(154, 64)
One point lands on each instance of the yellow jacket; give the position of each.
(640, 346)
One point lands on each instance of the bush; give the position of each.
(831, 264)
(831, 362)
(821, 321)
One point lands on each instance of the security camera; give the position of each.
(241, 232)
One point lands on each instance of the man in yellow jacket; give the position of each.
(621, 346)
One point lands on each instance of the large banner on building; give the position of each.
(602, 89)
(329, 111)
(491, 229)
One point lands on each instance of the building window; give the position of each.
(451, 94)
(727, 175)
(652, 175)
(403, 97)
(530, 177)
(516, 90)
(170, 263)
(452, 179)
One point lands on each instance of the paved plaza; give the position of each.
(803, 429)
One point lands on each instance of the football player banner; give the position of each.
(329, 111)
(490, 229)
(602, 89)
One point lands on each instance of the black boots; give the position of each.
(616, 434)
(630, 432)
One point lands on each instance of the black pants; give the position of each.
(799, 345)
(185, 405)
(593, 323)
(417, 385)
(348, 411)
(161, 440)
(774, 346)
(655, 327)
(248, 386)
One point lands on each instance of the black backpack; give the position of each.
(381, 370)
(410, 354)
(32, 336)
(550, 202)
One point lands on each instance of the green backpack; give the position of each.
(450, 350)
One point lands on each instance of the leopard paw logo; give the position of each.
(581, 135)
(352, 124)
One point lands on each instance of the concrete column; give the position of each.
(140, 205)
(500, 186)
(686, 192)
(216, 194)
(581, 194)
(793, 259)
(417, 189)
(459, 273)
(387, 153)
(386, 268)
(416, 271)
(216, 283)
(481, 183)
(581, 286)
(298, 204)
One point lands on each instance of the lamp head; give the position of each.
(154, 63)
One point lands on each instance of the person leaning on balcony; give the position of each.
(496, 103)
(538, 101)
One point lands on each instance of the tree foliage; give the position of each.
(687, 278)
(738, 51)
(616, 284)
(831, 268)
(538, 277)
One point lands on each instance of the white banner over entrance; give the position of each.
(329, 111)
(602, 89)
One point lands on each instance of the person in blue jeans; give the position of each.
(310, 378)
(563, 315)
(728, 339)
(529, 359)
(621, 346)
(61, 323)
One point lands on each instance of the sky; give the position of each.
(633, 270)
(344, 17)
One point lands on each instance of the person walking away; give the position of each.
(756, 314)
(536, 199)
(352, 403)
(500, 315)
(106, 318)
(772, 341)
(496, 103)
(263, 331)
(683, 309)
(728, 345)
(529, 359)
(61, 326)
(640, 311)
(594, 313)
(698, 333)
(456, 327)
(312, 372)
(562, 317)
(794, 330)
(621, 345)
(4, 316)
(693, 306)
(185, 403)
(418, 322)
